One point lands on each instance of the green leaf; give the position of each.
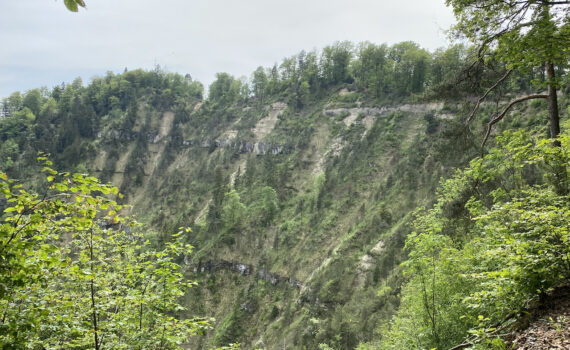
(71, 5)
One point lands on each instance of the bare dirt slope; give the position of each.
(549, 327)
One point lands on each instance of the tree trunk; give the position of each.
(560, 172)
(552, 102)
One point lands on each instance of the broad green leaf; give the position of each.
(71, 5)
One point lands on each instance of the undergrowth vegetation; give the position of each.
(497, 237)
(75, 274)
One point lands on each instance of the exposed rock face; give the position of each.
(355, 111)
(266, 276)
(259, 148)
(243, 269)
(377, 249)
(154, 137)
(212, 266)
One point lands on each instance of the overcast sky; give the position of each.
(42, 44)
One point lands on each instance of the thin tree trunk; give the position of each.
(93, 305)
(560, 172)
(553, 115)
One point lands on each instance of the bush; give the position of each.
(467, 277)
(75, 274)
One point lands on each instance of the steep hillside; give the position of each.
(324, 224)
(298, 217)
(299, 187)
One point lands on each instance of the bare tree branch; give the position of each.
(482, 98)
(485, 45)
(553, 3)
(491, 38)
(504, 112)
(499, 326)
(460, 346)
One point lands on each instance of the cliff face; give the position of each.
(298, 213)
(320, 209)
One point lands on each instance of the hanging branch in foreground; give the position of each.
(524, 34)
(482, 98)
(504, 112)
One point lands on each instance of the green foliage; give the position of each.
(233, 212)
(73, 5)
(75, 274)
(231, 327)
(12, 103)
(370, 70)
(525, 33)
(410, 68)
(33, 100)
(70, 119)
(8, 153)
(264, 208)
(225, 90)
(470, 268)
(335, 61)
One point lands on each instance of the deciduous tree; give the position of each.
(524, 35)
(74, 274)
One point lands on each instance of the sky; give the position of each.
(43, 44)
